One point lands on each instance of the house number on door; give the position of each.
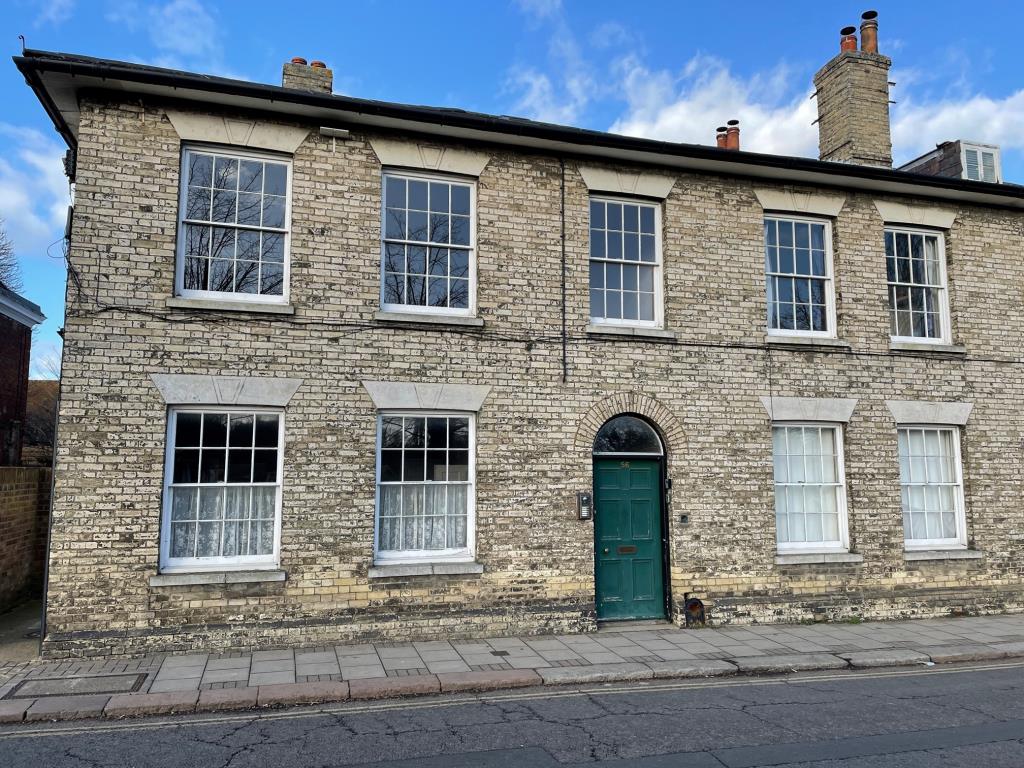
(625, 464)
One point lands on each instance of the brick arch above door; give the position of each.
(656, 412)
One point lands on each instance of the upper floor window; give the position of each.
(916, 273)
(428, 238)
(932, 487)
(798, 266)
(233, 228)
(981, 162)
(425, 478)
(810, 491)
(625, 262)
(222, 494)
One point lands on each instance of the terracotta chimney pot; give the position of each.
(732, 135)
(720, 136)
(298, 60)
(848, 39)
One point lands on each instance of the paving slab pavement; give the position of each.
(204, 681)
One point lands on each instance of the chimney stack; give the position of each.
(853, 100)
(301, 76)
(732, 135)
(720, 137)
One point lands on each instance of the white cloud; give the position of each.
(54, 12)
(33, 190)
(556, 100)
(776, 114)
(918, 126)
(689, 105)
(184, 33)
(540, 9)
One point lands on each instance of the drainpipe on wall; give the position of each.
(565, 342)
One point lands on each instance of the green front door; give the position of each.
(627, 539)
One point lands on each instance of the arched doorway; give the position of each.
(629, 520)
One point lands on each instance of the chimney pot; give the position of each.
(318, 64)
(848, 39)
(720, 136)
(869, 32)
(298, 60)
(732, 135)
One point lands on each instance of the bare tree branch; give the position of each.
(10, 271)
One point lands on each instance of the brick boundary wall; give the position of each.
(24, 517)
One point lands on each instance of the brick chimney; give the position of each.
(853, 100)
(301, 76)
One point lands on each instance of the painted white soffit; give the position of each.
(811, 203)
(188, 389)
(429, 157)
(808, 409)
(928, 412)
(254, 134)
(626, 183)
(918, 215)
(404, 395)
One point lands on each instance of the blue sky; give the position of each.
(671, 70)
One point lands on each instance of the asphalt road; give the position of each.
(939, 716)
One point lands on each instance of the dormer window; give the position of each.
(981, 162)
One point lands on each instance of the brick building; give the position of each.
(18, 316)
(344, 369)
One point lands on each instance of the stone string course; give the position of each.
(533, 433)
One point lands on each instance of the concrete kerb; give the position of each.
(295, 694)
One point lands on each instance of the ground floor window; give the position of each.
(425, 478)
(810, 496)
(222, 495)
(931, 487)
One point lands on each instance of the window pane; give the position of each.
(390, 466)
(212, 467)
(186, 466)
(184, 503)
(413, 466)
(186, 431)
(214, 429)
(264, 466)
(239, 465)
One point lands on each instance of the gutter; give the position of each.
(497, 129)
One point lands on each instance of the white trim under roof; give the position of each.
(18, 312)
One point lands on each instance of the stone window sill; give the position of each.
(939, 349)
(942, 554)
(256, 307)
(427, 319)
(424, 569)
(629, 330)
(216, 577)
(817, 558)
(805, 341)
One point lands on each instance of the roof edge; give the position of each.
(35, 63)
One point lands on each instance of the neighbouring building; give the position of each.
(18, 316)
(345, 369)
(40, 422)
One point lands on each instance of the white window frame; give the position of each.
(960, 540)
(830, 281)
(213, 564)
(447, 178)
(812, 547)
(944, 314)
(993, 150)
(452, 555)
(179, 267)
(657, 264)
